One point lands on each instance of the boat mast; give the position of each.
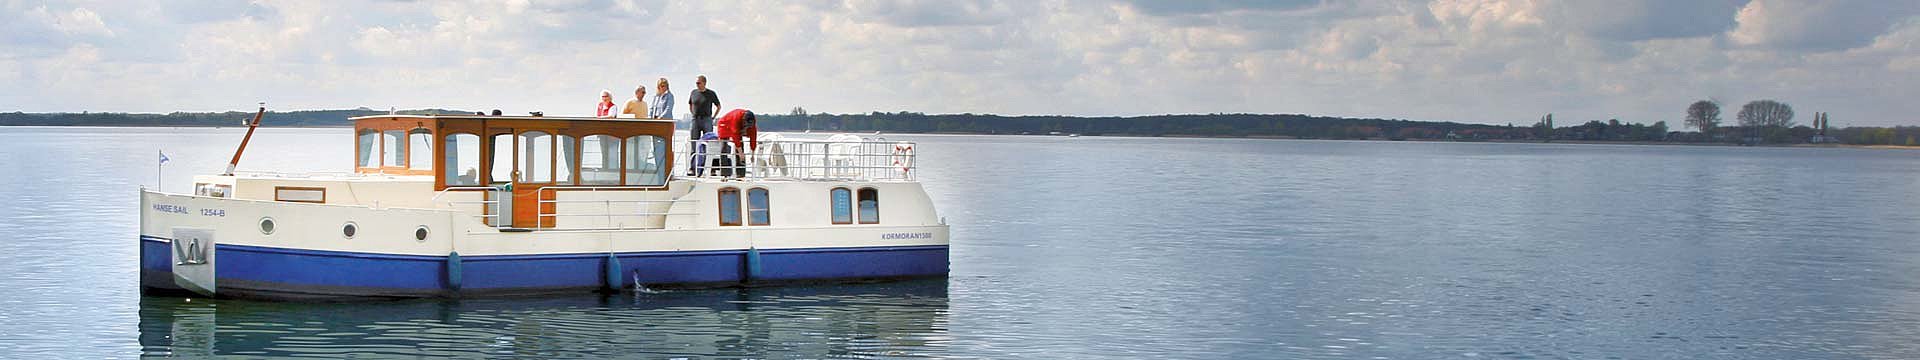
(243, 141)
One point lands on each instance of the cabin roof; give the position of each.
(488, 117)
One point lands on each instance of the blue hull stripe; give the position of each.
(258, 266)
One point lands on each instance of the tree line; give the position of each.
(1771, 121)
(1762, 121)
(304, 118)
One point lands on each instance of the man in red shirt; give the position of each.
(736, 124)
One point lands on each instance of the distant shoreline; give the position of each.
(1227, 126)
(1176, 136)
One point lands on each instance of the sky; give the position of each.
(1477, 61)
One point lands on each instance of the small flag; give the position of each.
(163, 156)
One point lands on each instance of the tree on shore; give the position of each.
(1766, 120)
(1545, 127)
(1766, 113)
(1703, 115)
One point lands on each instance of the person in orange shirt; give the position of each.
(637, 106)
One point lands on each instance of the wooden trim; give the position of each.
(323, 193)
(748, 207)
(876, 205)
(721, 206)
(483, 126)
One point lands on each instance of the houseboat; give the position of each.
(464, 206)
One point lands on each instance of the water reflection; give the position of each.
(903, 319)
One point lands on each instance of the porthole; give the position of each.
(420, 234)
(266, 226)
(350, 229)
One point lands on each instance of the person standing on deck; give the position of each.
(704, 103)
(605, 109)
(637, 106)
(662, 103)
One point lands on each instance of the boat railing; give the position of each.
(302, 175)
(491, 218)
(862, 160)
(606, 207)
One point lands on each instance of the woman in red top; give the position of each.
(605, 110)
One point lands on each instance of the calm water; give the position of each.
(1105, 248)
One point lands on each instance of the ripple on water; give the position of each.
(1110, 248)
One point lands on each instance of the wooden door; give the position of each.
(534, 155)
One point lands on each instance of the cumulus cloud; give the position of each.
(1488, 61)
(1818, 25)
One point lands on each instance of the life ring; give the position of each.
(903, 157)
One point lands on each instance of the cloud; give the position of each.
(919, 13)
(1163, 8)
(1489, 61)
(1635, 20)
(1818, 25)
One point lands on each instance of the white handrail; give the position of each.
(541, 200)
(483, 216)
(802, 160)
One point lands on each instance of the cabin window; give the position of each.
(420, 150)
(315, 195)
(390, 140)
(757, 213)
(564, 160)
(536, 157)
(502, 158)
(869, 206)
(841, 200)
(212, 190)
(463, 160)
(729, 207)
(599, 160)
(369, 148)
(644, 156)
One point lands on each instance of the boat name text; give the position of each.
(904, 236)
(177, 209)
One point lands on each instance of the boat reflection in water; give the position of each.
(863, 320)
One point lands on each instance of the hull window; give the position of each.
(463, 160)
(869, 206)
(729, 207)
(317, 195)
(757, 207)
(841, 200)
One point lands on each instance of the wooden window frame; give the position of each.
(322, 190)
(851, 216)
(876, 206)
(720, 204)
(440, 165)
(386, 168)
(620, 154)
(748, 207)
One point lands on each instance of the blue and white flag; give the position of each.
(163, 156)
